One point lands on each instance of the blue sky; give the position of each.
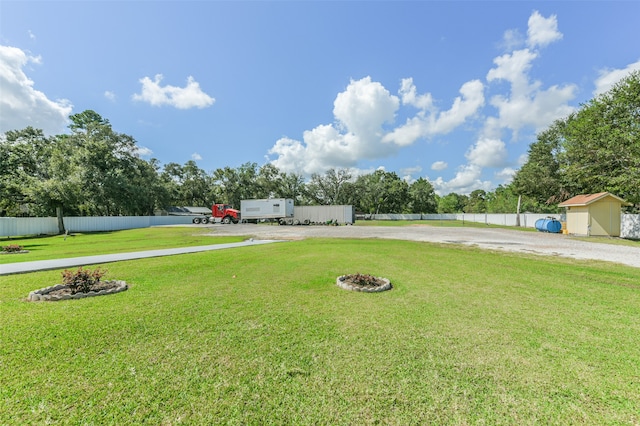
(450, 91)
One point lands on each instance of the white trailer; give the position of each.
(271, 208)
(320, 215)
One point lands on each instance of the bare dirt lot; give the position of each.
(489, 238)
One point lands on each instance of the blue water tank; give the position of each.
(549, 225)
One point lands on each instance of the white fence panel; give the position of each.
(527, 220)
(442, 216)
(393, 216)
(17, 226)
(12, 226)
(105, 223)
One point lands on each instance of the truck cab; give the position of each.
(224, 213)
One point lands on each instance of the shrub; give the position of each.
(12, 248)
(82, 280)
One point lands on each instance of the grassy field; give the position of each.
(262, 334)
(75, 245)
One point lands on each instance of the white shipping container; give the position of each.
(321, 214)
(272, 208)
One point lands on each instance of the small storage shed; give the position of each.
(594, 214)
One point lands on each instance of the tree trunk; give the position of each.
(61, 229)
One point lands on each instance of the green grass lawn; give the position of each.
(78, 244)
(262, 334)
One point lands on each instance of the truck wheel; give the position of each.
(296, 222)
(226, 220)
(196, 220)
(204, 220)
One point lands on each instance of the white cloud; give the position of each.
(409, 95)
(512, 39)
(466, 180)
(523, 158)
(542, 31)
(21, 105)
(439, 165)
(196, 157)
(407, 173)
(186, 97)
(487, 153)
(110, 95)
(143, 151)
(361, 111)
(434, 123)
(364, 107)
(609, 77)
(505, 175)
(463, 107)
(527, 104)
(32, 36)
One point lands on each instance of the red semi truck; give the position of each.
(220, 213)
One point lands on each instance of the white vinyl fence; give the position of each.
(527, 220)
(14, 226)
(629, 224)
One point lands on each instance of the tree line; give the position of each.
(94, 170)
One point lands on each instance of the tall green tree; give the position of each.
(502, 200)
(422, 197)
(329, 188)
(62, 189)
(292, 186)
(477, 202)
(24, 157)
(382, 192)
(241, 183)
(540, 177)
(601, 149)
(187, 184)
(451, 203)
(105, 160)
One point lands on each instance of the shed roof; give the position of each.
(586, 199)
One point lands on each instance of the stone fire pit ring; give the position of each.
(344, 284)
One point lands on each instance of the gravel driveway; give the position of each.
(489, 238)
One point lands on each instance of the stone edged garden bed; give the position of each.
(62, 292)
(15, 252)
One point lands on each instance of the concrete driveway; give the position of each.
(488, 238)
